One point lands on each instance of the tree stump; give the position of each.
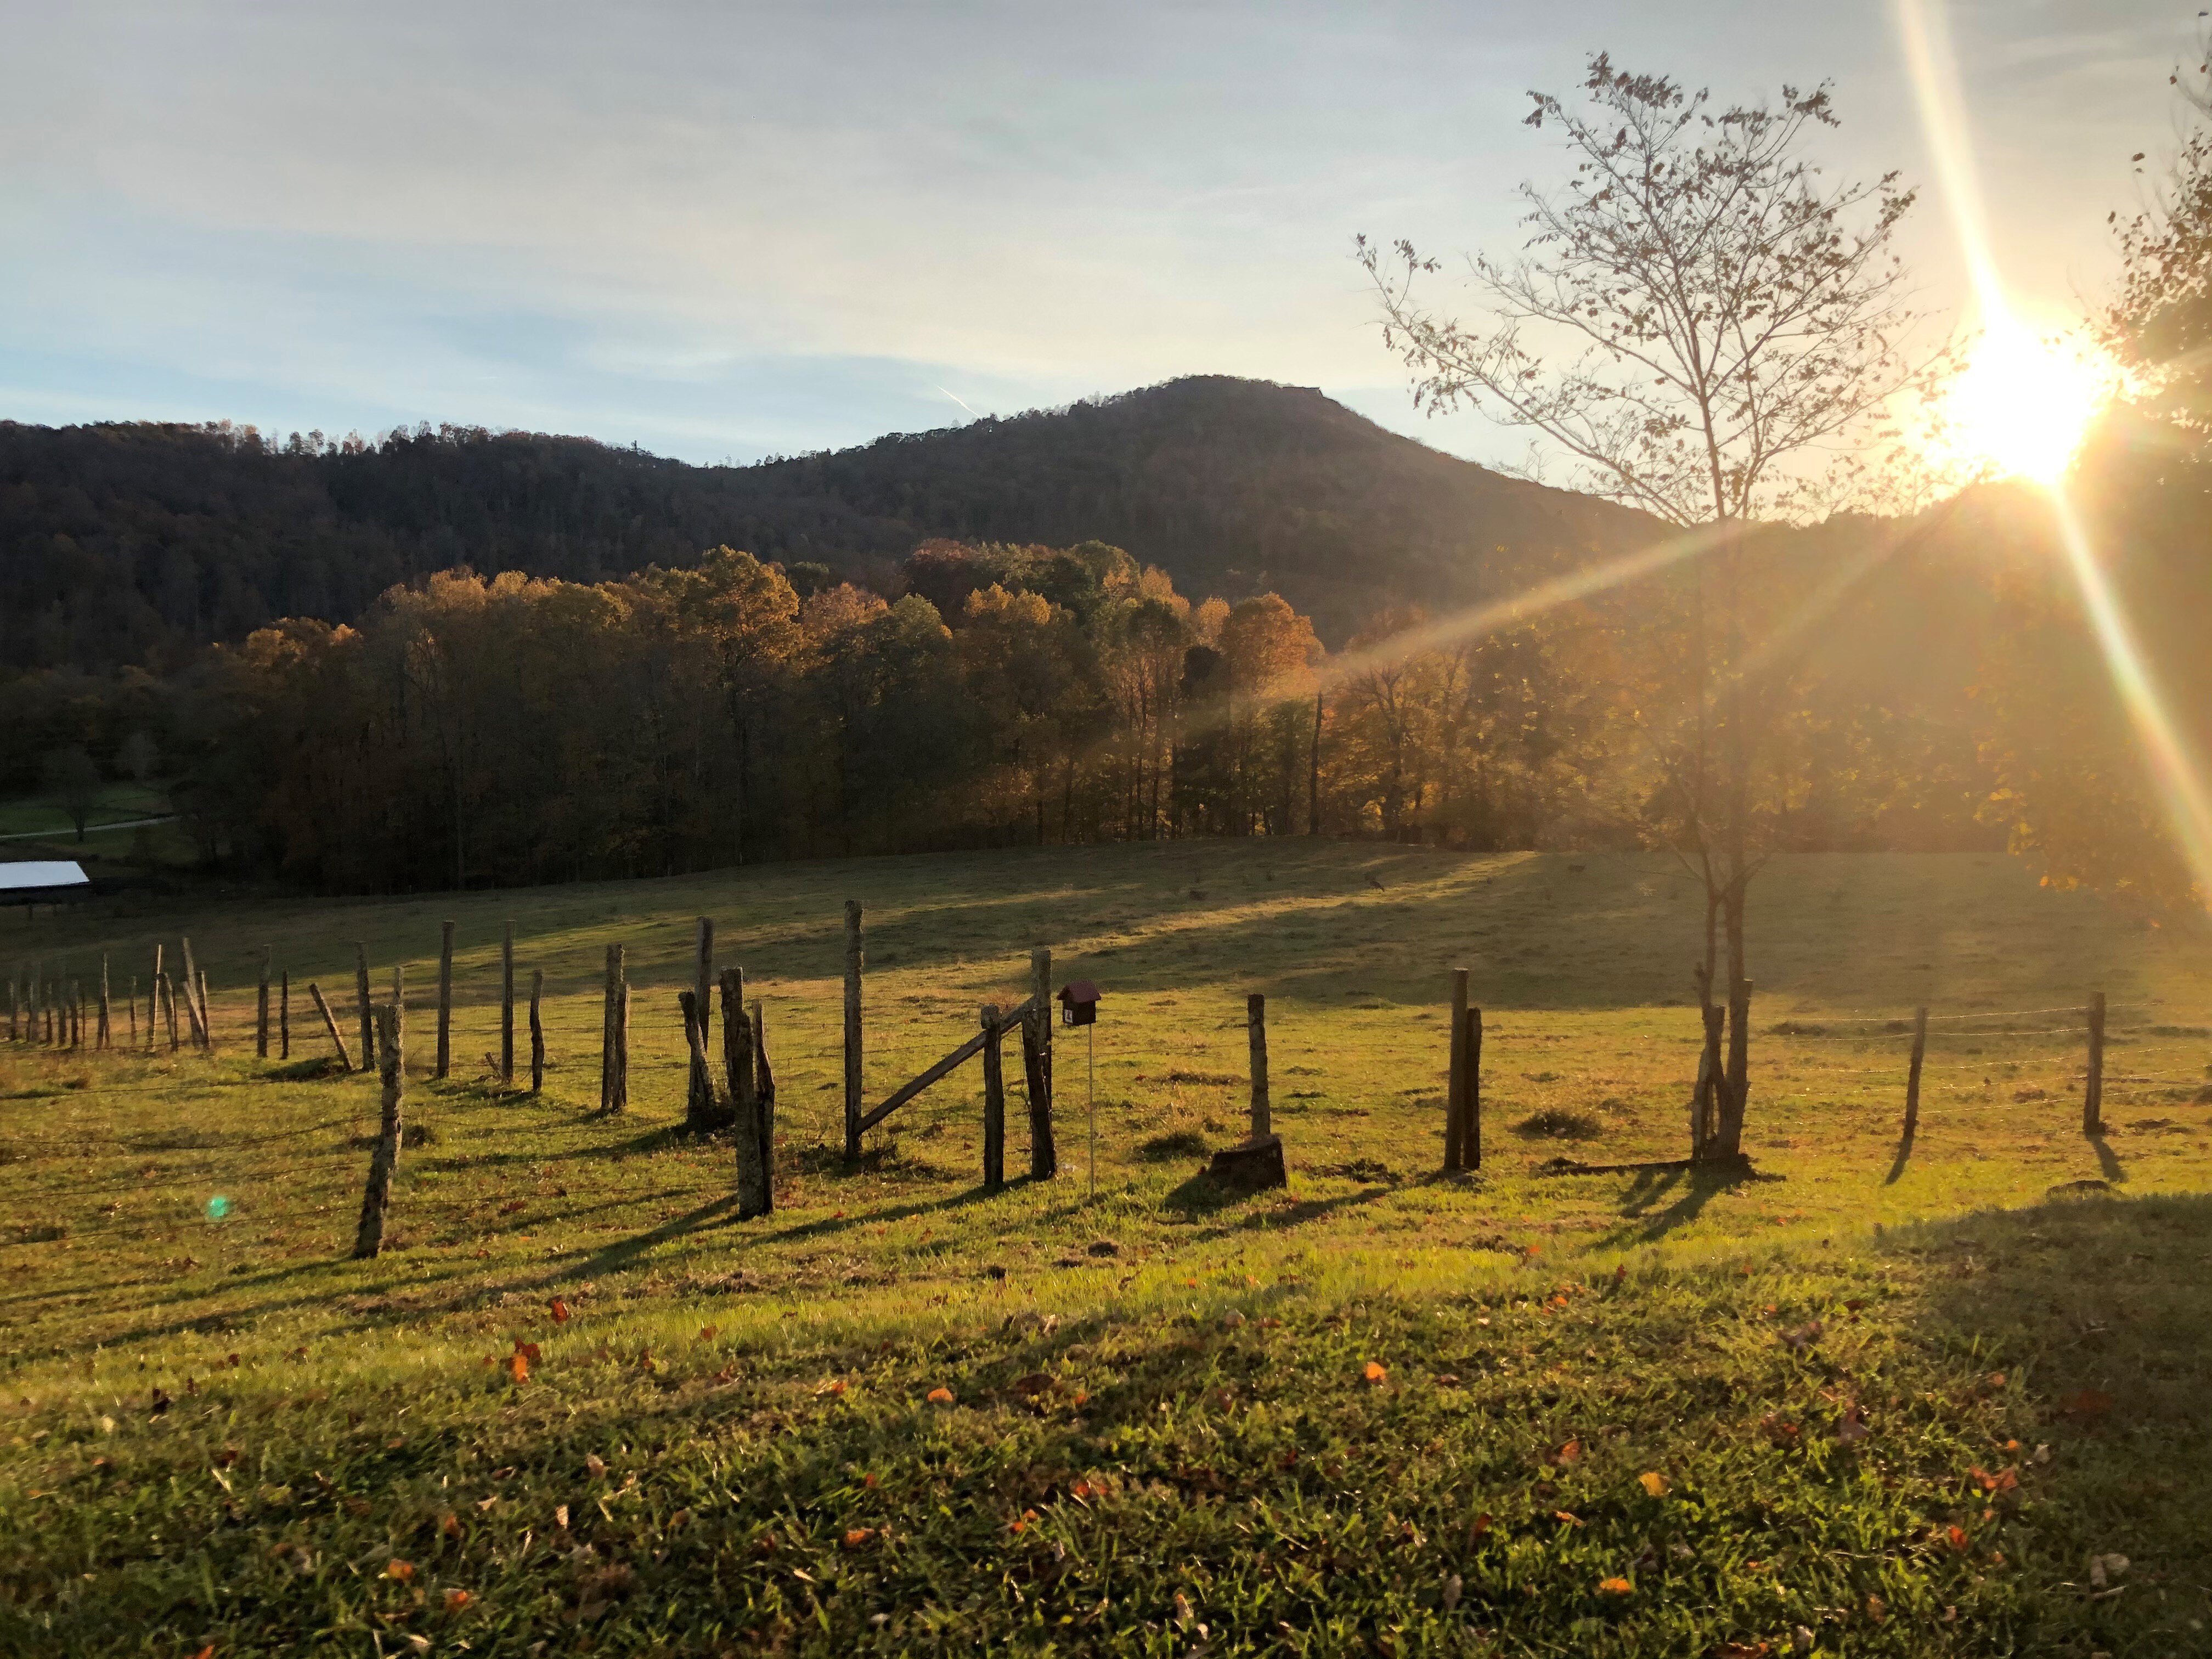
(1252, 1167)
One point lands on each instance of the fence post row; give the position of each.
(852, 1069)
(368, 1238)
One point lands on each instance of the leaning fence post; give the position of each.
(284, 1015)
(367, 1018)
(169, 1008)
(261, 1005)
(329, 1024)
(369, 1238)
(536, 1031)
(1255, 1027)
(1912, 1072)
(104, 1037)
(507, 1007)
(445, 1063)
(994, 1103)
(207, 1025)
(853, 1070)
(2093, 1093)
(1037, 1067)
(1473, 1088)
(1455, 1090)
(764, 1100)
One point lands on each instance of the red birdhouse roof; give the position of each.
(1079, 990)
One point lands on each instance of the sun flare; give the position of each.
(2023, 405)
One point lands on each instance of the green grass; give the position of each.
(1184, 1423)
(118, 803)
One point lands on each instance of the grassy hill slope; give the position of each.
(1836, 1370)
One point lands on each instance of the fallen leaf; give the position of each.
(1375, 1373)
(1450, 1593)
(1448, 1380)
(1853, 1428)
(827, 1385)
(1569, 1453)
(596, 1464)
(560, 1311)
(456, 1599)
(858, 1536)
(450, 1524)
(402, 1570)
(518, 1368)
(1653, 1482)
(2002, 1481)
(561, 1516)
(706, 1332)
(1616, 1587)
(527, 1350)
(940, 1396)
(1959, 1539)
(2085, 1403)
(1572, 1520)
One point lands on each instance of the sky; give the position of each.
(723, 231)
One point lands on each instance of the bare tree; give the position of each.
(1699, 323)
(74, 777)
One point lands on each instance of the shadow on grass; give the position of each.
(2107, 1162)
(1691, 1189)
(1899, 1165)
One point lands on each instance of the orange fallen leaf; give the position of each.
(1482, 1526)
(527, 1350)
(1959, 1539)
(1616, 1587)
(456, 1599)
(518, 1368)
(560, 1311)
(858, 1536)
(1569, 1453)
(2002, 1481)
(402, 1570)
(940, 1396)
(450, 1524)
(1653, 1482)
(830, 1385)
(1375, 1373)
(1572, 1520)
(706, 1332)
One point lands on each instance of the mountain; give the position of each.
(141, 543)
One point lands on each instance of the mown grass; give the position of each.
(1161, 1415)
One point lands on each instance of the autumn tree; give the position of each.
(1697, 320)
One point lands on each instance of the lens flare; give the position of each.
(2024, 404)
(218, 1207)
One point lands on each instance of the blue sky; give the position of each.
(727, 231)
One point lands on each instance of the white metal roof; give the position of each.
(43, 872)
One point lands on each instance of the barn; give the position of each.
(43, 881)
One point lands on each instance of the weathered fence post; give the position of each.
(367, 1018)
(284, 1014)
(329, 1024)
(195, 1015)
(154, 1002)
(507, 1007)
(994, 1103)
(261, 1005)
(1912, 1072)
(134, 1010)
(1472, 1142)
(444, 1064)
(764, 1100)
(2093, 1092)
(207, 1024)
(607, 1036)
(694, 1117)
(853, 1071)
(537, 1032)
(103, 1037)
(377, 1199)
(702, 986)
(76, 1015)
(755, 1197)
(1455, 1089)
(169, 1007)
(701, 1110)
(1255, 1031)
(1037, 1067)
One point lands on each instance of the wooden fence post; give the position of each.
(329, 1024)
(695, 1041)
(1474, 1088)
(368, 1239)
(701, 1110)
(1256, 1030)
(702, 986)
(607, 1036)
(507, 1007)
(261, 1005)
(154, 1002)
(134, 1010)
(994, 1103)
(853, 1070)
(1036, 1067)
(1455, 1090)
(284, 1015)
(76, 1015)
(367, 1018)
(764, 1102)
(104, 1037)
(195, 1025)
(755, 1197)
(1912, 1072)
(169, 1007)
(622, 1032)
(207, 1024)
(2093, 1092)
(445, 1063)
(536, 1031)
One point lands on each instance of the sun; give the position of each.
(2023, 405)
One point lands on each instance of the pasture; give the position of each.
(1866, 1397)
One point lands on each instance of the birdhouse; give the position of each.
(1079, 1002)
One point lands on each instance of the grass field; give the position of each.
(1165, 1430)
(43, 816)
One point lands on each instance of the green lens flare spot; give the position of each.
(217, 1207)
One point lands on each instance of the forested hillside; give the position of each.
(140, 544)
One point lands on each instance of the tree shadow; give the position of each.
(2107, 1162)
(1898, 1165)
(1692, 1189)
